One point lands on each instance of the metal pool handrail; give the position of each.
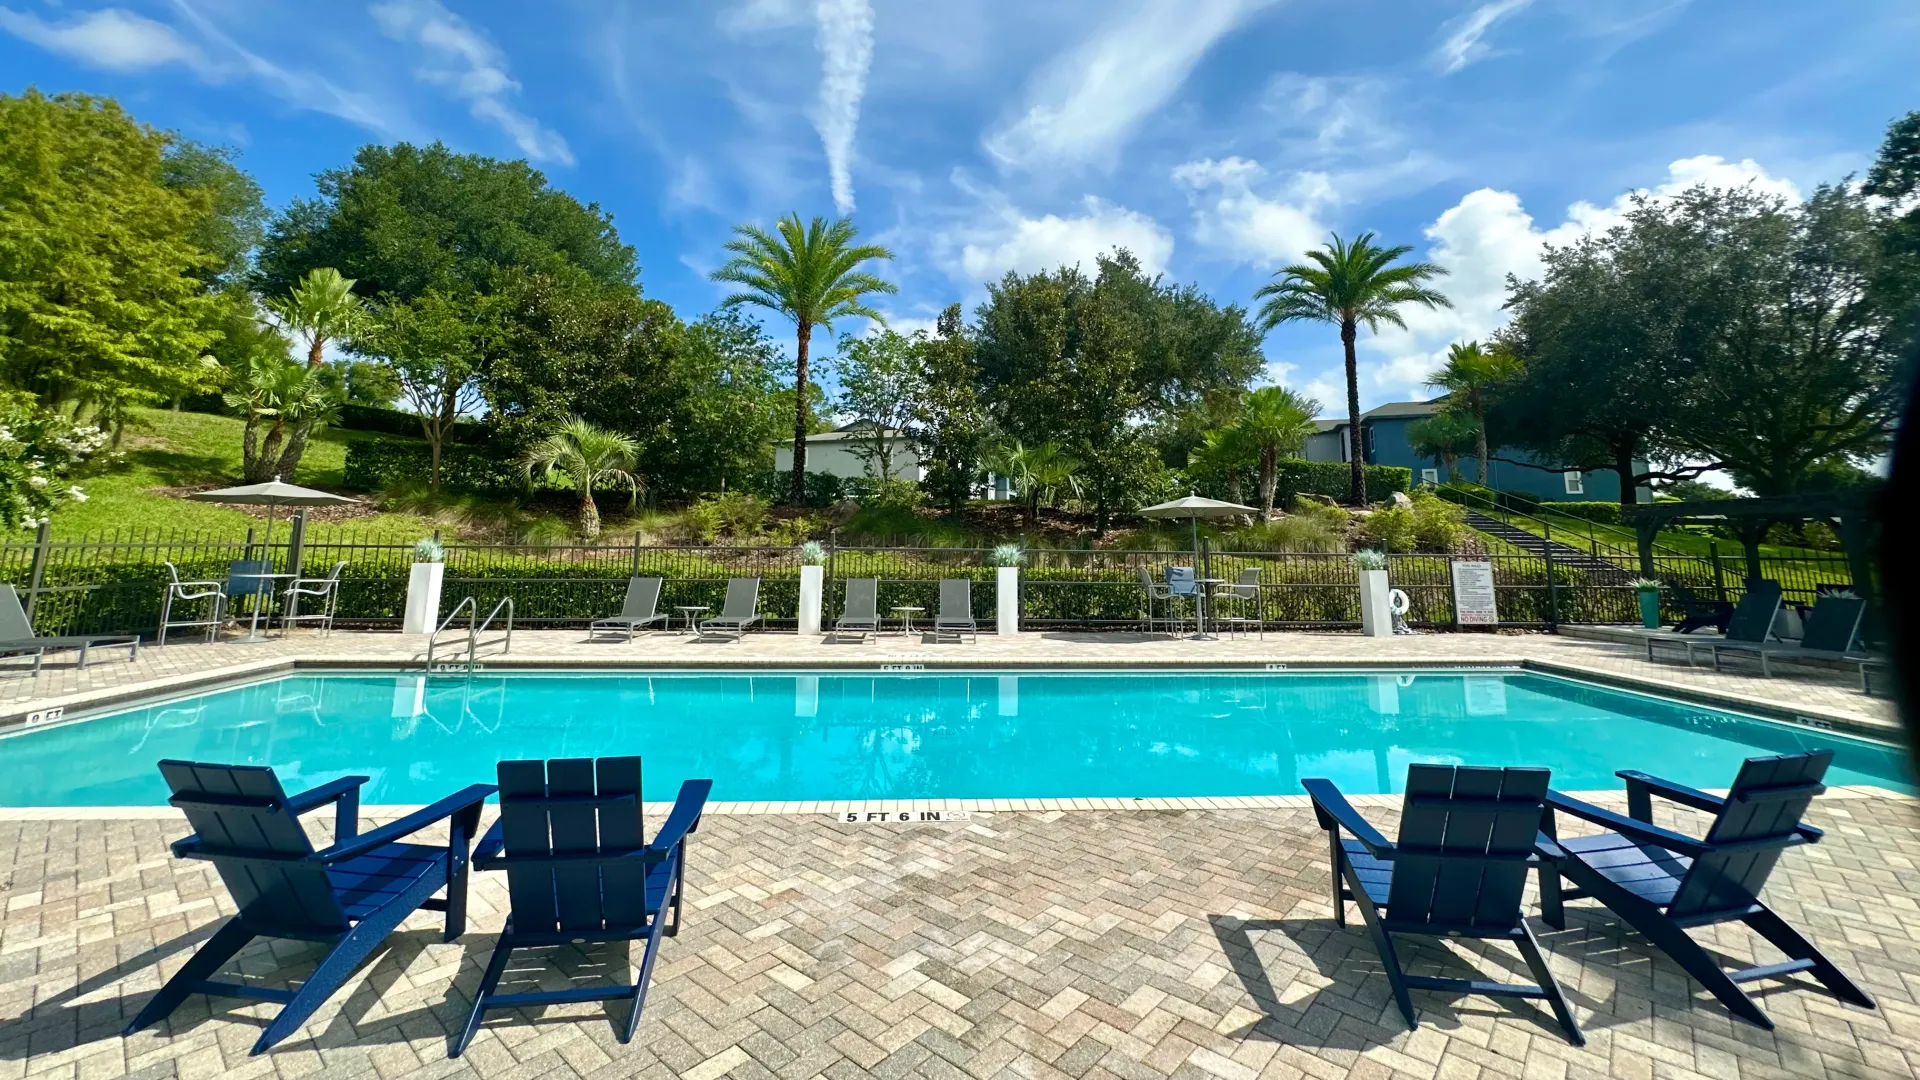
(473, 637)
(472, 608)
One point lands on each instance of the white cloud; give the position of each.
(1086, 103)
(845, 40)
(1465, 45)
(755, 16)
(1488, 235)
(1231, 217)
(463, 62)
(1028, 244)
(111, 38)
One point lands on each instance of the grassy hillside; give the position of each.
(164, 455)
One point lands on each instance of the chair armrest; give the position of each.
(489, 846)
(210, 588)
(685, 815)
(1626, 826)
(1671, 791)
(346, 816)
(1335, 812)
(468, 799)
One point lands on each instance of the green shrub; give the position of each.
(377, 464)
(736, 514)
(1605, 513)
(1293, 533)
(1390, 529)
(1333, 517)
(1297, 476)
(894, 493)
(1438, 525)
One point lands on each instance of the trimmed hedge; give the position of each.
(395, 422)
(374, 464)
(1298, 476)
(1605, 513)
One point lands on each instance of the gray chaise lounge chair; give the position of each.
(740, 610)
(1830, 633)
(1752, 621)
(862, 611)
(17, 636)
(956, 610)
(640, 609)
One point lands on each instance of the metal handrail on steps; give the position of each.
(506, 643)
(472, 608)
(1595, 546)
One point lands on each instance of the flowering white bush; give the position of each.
(38, 448)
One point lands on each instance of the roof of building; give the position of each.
(1392, 410)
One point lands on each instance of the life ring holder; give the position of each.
(1398, 602)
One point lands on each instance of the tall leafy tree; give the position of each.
(811, 274)
(882, 385)
(589, 457)
(103, 298)
(952, 423)
(1470, 372)
(1275, 423)
(430, 345)
(234, 216)
(404, 219)
(1351, 284)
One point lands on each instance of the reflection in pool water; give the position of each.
(885, 736)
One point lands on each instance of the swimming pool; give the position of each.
(787, 736)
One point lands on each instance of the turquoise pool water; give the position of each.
(936, 735)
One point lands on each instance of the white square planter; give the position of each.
(423, 598)
(1006, 601)
(1376, 612)
(812, 590)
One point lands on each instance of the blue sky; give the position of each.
(1215, 138)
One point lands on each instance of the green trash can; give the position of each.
(1649, 603)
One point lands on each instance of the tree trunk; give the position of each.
(317, 352)
(296, 446)
(1480, 435)
(249, 445)
(258, 472)
(589, 513)
(1269, 475)
(797, 493)
(1356, 456)
(1623, 466)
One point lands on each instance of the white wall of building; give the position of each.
(841, 457)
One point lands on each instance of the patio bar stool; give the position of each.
(188, 592)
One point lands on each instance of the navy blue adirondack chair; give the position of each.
(1467, 838)
(1664, 883)
(579, 869)
(350, 895)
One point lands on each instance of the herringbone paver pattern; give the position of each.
(1096, 945)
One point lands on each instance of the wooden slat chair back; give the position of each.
(1761, 819)
(578, 808)
(1466, 835)
(257, 844)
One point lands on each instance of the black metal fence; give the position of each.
(114, 584)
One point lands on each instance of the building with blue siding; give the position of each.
(1383, 431)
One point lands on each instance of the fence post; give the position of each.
(636, 554)
(41, 542)
(1553, 594)
(1719, 579)
(296, 556)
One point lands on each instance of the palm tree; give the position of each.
(589, 456)
(320, 308)
(1349, 284)
(285, 397)
(1275, 421)
(1443, 435)
(1224, 452)
(1470, 372)
(1036, 472)
(809, 273)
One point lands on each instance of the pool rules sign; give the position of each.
(1473, 603)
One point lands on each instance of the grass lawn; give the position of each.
(1681, 541)
(164, 454)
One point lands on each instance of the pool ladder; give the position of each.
(474, 628)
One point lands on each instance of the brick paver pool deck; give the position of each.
(1094, 944)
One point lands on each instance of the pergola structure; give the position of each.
(1851, 516)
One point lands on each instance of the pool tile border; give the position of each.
(985, 808)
